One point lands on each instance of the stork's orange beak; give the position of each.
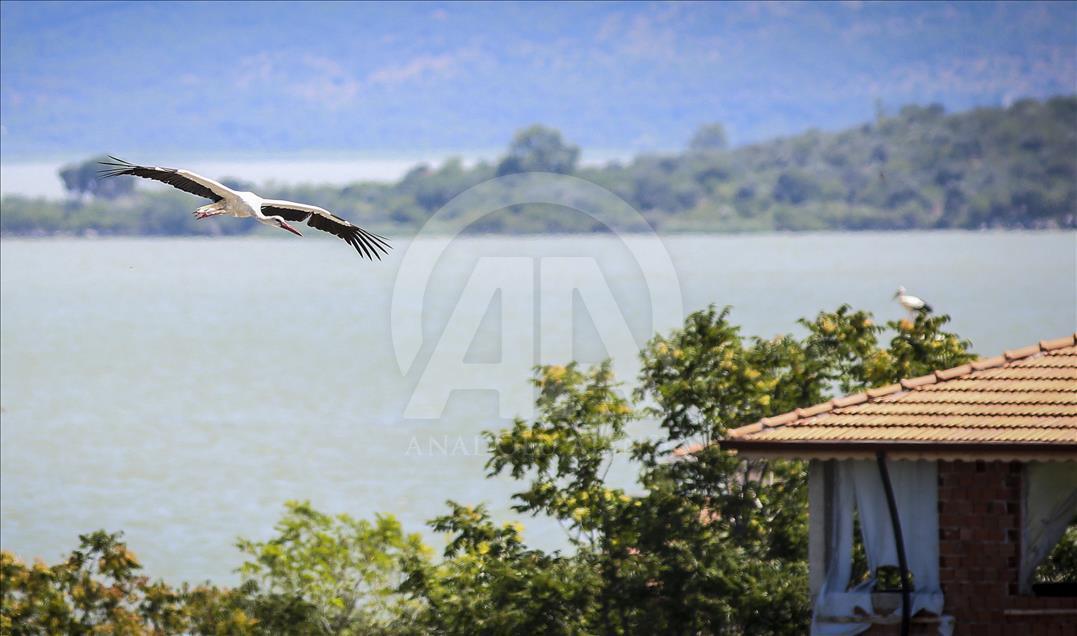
(291, 229)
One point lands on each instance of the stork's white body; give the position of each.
(909, 302)
(238, 204)
(233, 203)
(912, 303)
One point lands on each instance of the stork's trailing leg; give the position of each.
(207, 211)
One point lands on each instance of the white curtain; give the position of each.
(1050, 503)
(833, 599)
(858, 484)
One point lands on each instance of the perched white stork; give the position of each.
(910, 302)
(247, 204)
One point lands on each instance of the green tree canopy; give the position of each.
(82, 179)
(704, 542)
(709, 137)
(539, 149)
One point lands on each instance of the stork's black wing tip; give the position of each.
(113, 168)
(105, 173)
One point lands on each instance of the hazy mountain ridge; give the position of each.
(225, 77)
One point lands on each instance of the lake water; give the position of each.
(182, 390)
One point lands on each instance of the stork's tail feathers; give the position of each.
(114, 168)
(926, 309)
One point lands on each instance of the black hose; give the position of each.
(906, 616)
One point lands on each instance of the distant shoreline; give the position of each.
(987, 168)
(339, 169)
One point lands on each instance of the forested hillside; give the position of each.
(919, 168)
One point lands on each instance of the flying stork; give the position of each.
(910, 302)
(272, 212)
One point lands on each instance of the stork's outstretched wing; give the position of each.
(180, 179)
(366, 243)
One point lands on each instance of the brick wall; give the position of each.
(979, 544)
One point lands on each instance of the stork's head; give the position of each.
(899, 292)
(282, 224)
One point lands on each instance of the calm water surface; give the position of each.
(182, 390)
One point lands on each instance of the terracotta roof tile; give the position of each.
(955, 372)
(818, 409)
(777, 420)
(1026, 396)
(1058, 343)
(884, 390)
(1023, 352)
(750, 429)
(1039, 372)
(1007, 385)
(924, 380)
(850, 400)
(989, 363)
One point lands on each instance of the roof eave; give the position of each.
(845, 449)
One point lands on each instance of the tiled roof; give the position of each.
(1023, 399)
